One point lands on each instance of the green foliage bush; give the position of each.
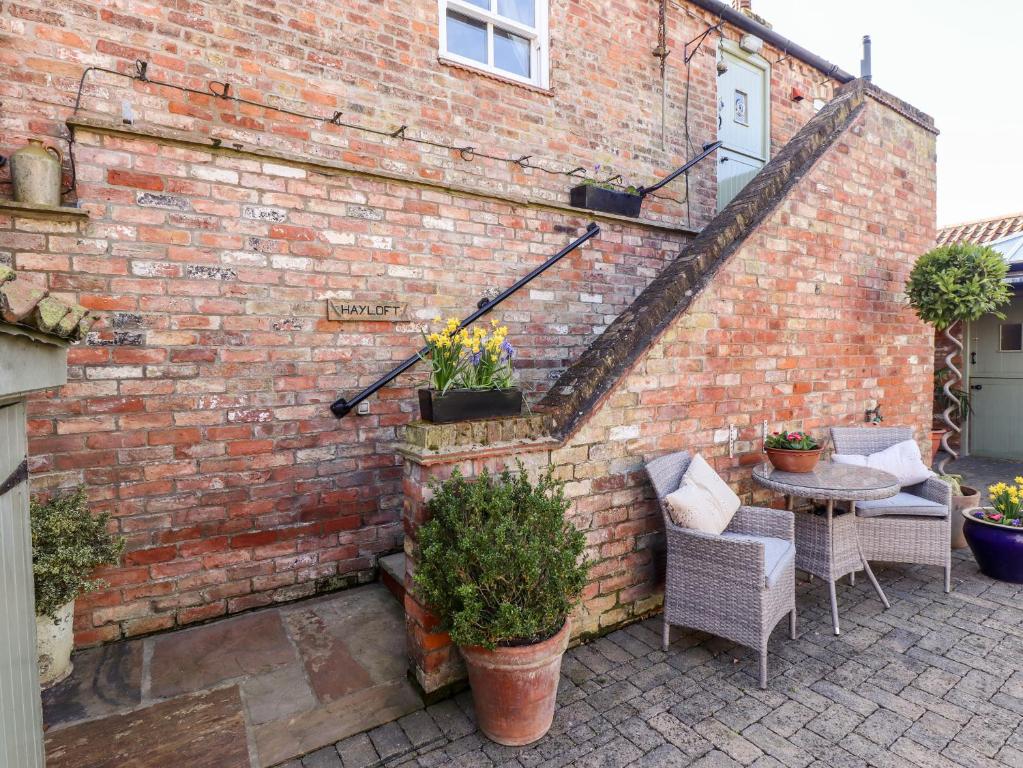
(957, 282)
(68, 543)
(500, 564)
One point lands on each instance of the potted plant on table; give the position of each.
(68, 544)
(792, 451)
(995, 533)
(963, 498)
(502, 568)
(470, 374)
(951, 285)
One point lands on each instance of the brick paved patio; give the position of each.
(935, 681)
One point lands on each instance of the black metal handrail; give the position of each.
(707, 149)
(342, 407)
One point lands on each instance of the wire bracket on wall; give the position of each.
(698, 42)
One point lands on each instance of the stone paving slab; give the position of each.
(936, 681)
(203, 730)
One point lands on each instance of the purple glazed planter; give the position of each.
(998, 549)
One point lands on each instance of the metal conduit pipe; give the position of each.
(782, 43)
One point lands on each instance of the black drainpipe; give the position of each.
(745, 23)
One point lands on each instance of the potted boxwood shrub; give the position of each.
(792, 451)
(502, 568)
(995, 533)
(68, 544)
(951, 285)
(963, 498)
(470, 374)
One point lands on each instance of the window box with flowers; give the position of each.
(471, 374)
(995, 533)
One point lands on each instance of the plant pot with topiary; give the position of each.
(964, 498)
(502, 568)
(68, 544)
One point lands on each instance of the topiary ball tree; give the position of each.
(953, 284)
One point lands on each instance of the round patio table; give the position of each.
(826, 545)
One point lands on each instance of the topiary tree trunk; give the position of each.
(952, 285)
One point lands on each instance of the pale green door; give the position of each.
(743, 120)
(996, 384)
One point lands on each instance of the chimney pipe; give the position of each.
(743, 6)
(865, 72)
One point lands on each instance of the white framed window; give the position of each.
(504, 37)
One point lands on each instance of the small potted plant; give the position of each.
(792, 451)
(604, 196)
(470, 374)
(963, 498)
(68, 544)
(502, 568)
(995, 533)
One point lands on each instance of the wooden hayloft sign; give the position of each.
(362, 310)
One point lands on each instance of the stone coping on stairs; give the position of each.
(428, 443)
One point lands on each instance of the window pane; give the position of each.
(511, 53)
(467, 37)
(484, 4)
(521, 11)
(1012, 335)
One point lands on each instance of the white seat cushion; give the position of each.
(703, 502)
(901, 504)
(902, 460)
(777, 554)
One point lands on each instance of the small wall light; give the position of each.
(797, 95)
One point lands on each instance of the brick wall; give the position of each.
(196, 412)
(803, 326)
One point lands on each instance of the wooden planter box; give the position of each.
(469, 404)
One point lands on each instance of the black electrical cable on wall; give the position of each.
(468, 153)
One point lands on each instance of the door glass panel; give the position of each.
(522, 11)
(467, 37)
(1011, 337)
(511, 53)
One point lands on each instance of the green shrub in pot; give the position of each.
(502, 568)
(68, 544)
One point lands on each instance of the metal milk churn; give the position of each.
(36, 172)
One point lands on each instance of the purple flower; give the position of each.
(1017, 522)
(508, 350)
(476, 358)
(979, 514)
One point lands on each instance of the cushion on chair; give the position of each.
(902, 460)
(703, 502)
(901, 504)
(777, 554)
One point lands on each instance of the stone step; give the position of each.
(392, 574)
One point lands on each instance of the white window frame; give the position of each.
(539, 43)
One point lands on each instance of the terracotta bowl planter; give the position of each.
(970, 499)
(514, 689)
(998, 549)
(787, 460)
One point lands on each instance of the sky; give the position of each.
(957, 61)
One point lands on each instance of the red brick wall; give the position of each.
(804, 327)
(196, 413)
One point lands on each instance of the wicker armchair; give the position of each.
(721, 584)
(913, 527)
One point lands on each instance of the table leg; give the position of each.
(831, 560)
(866, 565)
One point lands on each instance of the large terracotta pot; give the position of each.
(54, 642)
(998, 549)
(970, 499)
(936, 435)
(514, 689)
(788, 460)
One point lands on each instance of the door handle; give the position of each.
(976, 386)
(973, 358)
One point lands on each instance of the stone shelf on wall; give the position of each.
(42, 211)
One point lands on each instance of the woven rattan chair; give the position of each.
(913, 527)
(721, 584)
